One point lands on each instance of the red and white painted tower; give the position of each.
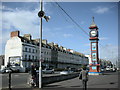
(94, 65)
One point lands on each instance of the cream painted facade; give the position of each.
(13, 48)
(23, 50)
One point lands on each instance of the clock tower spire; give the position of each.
(94, 63)
(93, 22)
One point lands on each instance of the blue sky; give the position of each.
(60, 29)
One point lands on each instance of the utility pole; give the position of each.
(40, 45)
(41, 14)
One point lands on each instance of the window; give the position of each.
(44, 58)
(33, 50)
(29, 57)
(25, 49)
(33, 57)
(29, 49)
(25, 57)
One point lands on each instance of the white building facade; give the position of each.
(23, 50)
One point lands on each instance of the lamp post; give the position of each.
(41, 14)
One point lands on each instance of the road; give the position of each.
(108, 80)
(19, 79)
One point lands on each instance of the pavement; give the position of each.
(107, 81)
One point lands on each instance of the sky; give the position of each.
(60, 29)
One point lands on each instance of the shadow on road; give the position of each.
(62, 89)
(102, 84)
(109, 73)
(52, 85)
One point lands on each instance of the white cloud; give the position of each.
(23, 20)
(109, 52)
(4, 37)
(2, 7)
(100, 10)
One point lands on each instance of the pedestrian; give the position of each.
(33, 75)
(84, 77)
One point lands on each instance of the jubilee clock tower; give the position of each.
(94, 68)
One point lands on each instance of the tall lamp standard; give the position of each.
(41, 14)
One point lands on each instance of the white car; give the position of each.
(102, 69)
(66, 72)
(113, 69)
(108, 68)
(7, 70)
(48, 71)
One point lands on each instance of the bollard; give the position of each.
(9, 80)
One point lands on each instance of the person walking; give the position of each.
(84, 77)
(32, 75)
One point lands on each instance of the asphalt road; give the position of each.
(108, 80)
(18, 80)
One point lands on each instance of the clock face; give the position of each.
(93, 33)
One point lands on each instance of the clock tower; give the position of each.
(94, 67)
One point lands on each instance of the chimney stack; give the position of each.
(44, 41)
(28, 36)
(15, 33)
(61, 47)
(51, 44)
(56, 45)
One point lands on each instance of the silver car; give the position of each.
(48, 71)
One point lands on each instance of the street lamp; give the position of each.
(41, 14)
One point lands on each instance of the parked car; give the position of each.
(113, 69)
(15, 69)
(108, 68)
(103, 69)
(11, 69)
(66, 72)
(48, 71)
(7, 70)
(2, 71)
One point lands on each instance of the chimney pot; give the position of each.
(15, 33)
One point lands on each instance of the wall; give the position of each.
(52, 79)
